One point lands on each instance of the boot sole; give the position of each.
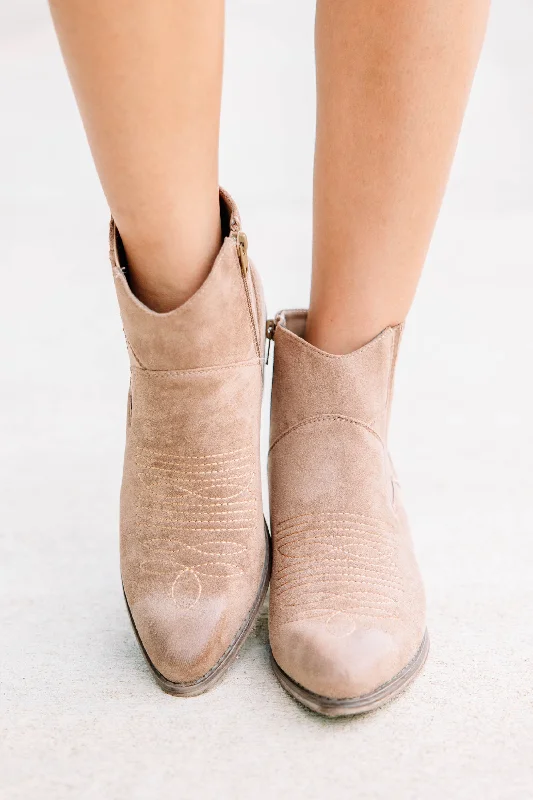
(216, 673)
(331, 707)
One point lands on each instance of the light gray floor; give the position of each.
(80, 716)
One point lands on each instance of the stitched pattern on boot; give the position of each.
(336, 565)
(195, 514)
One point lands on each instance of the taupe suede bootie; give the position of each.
(347, 607)
(195, 555)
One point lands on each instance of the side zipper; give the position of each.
(241, 243)
(270, 332)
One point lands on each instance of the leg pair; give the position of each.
(392, 83)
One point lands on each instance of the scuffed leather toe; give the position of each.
(335, 663)
(184, 644)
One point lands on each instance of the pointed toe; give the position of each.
(183, 644)
(338, 666)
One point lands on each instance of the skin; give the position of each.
(147, 76)
(393, 80)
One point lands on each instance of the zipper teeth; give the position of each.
(252, 320)
(247, 292)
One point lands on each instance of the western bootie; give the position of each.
(347, 608)
(195, 555)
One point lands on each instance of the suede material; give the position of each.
(347, 606)
(213, 328)
(192, 530)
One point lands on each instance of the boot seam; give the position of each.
(160, 373)
(320, 418)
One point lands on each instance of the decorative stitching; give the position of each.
(362, 612)
(151, 453)
(175, 503)
(185, 475)
(186, 527)
(209, 471)
(148, 543)
(176, 533)
(321, 418)
(179, 600)
(153, 568)
(333, 525)
(336, 562)
(197, 494)
(331, 514)
(203, 521)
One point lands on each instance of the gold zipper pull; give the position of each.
(242, 251)
(270, 331)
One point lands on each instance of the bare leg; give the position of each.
(393, 80)
(147, 77)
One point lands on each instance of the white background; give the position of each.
(80, 716)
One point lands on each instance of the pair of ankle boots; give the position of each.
(347, 609)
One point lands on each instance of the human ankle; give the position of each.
(337, 335)
(167, 264)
